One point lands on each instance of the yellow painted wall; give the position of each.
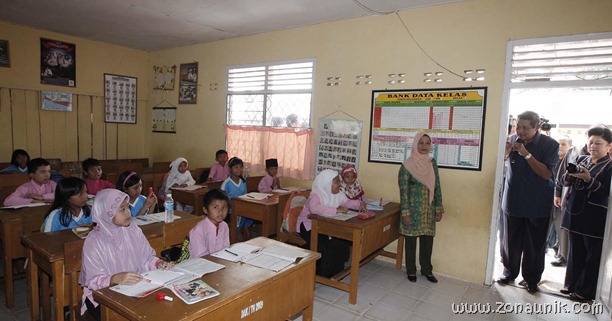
(69, 135)
(466, 35)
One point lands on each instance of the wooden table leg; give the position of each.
(307, 313)
(57, 271)
(9, 289)
(233, 228)
(355, 255)
(45, 295)
(400, 252)
(32, 278)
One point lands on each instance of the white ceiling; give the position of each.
(158, 24)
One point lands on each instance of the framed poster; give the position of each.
(453, 118)
(188, 83)
(164, 120)
(5, 60)
(120, 99)
(55, 100)
(338, 144)
(164, 77)
(57, 63)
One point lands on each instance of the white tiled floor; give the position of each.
(386, 294)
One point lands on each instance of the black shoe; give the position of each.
(412, 278)
(523, 283)
(577, 298)
(559, 262)
(564, 291)
(431, 278)
(532, 287)
(505, 280)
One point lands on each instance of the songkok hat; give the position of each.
(272, 162)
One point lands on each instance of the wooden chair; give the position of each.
(134, 167)
(175, 232)
(9, 183)
(288, 232)
(253, 183)
(199, 172)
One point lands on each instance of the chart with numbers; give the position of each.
(453, 118)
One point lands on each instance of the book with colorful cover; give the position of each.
(194, 291)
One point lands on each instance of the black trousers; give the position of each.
(334, 252)
(583, 264)
(95, 312)
(525, 238)
(425, 250)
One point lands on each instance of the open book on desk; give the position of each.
(188, 188)
(152, 218)
(153, 280)
(256, 196)
(273, 258)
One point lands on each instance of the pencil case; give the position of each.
(366, 215)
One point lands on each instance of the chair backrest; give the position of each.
(252, 183)
(175, 232)
(9, 183)
(288, 231)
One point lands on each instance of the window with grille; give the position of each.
(583, 59)
(270, 95)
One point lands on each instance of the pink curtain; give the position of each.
(292, 147)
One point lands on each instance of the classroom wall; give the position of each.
(466, 35)
(72, 135)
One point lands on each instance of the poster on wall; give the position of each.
(453, 118)
(164, 77)
(164, 120)
(188, 83)
(57, 63)
(55, 100)
(5, 60)
(338, 144)
(120, 99)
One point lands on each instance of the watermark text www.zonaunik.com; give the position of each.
(556, 307)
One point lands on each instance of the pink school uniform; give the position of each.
(219, 173)
(19, 196)
(93, 187)
(265, 184)
(203, 238)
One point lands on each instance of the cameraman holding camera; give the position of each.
(585, 215)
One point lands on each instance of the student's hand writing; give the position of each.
(126, 278)
(341, 209)
(163, 265)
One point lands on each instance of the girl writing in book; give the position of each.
(179, 176)
(235, 185)
(130, 183)
(69, 207)
(327, 200)
(115, 252)
(350, 185)
(211, 234)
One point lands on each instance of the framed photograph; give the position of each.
(188, 83)
(55, 100)
(164, 77)
(120, 99)
(57, 63)
(5, 60)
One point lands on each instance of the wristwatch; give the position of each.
(528, 156)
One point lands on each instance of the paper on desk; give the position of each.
(188, 188)
(376, 205)
(14, 207)
(273, 258)
(256, 196)
(235, 252)
(151, 281)
(281, 191)
(195, 268)
(345, 216)
(152, 218)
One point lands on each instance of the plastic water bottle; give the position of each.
(169, 207)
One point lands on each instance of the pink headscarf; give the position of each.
(110, 249)
(354, 191)
(419, 165)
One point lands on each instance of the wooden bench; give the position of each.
(9, 183)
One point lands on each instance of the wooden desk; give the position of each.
(369, 237)
(194, 198)
(45, 251)
(265, 211)
(14, 223)
(246, 292)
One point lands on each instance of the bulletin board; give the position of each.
(453, 118)
(338, 144)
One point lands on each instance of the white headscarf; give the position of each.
(175, 177)
(322, 186)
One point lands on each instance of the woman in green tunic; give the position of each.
(421, 206)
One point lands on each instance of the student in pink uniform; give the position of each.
(211, 234)
(115, 252)
(40, 188)
(92, 173)
(271, 181)
(220, 170)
